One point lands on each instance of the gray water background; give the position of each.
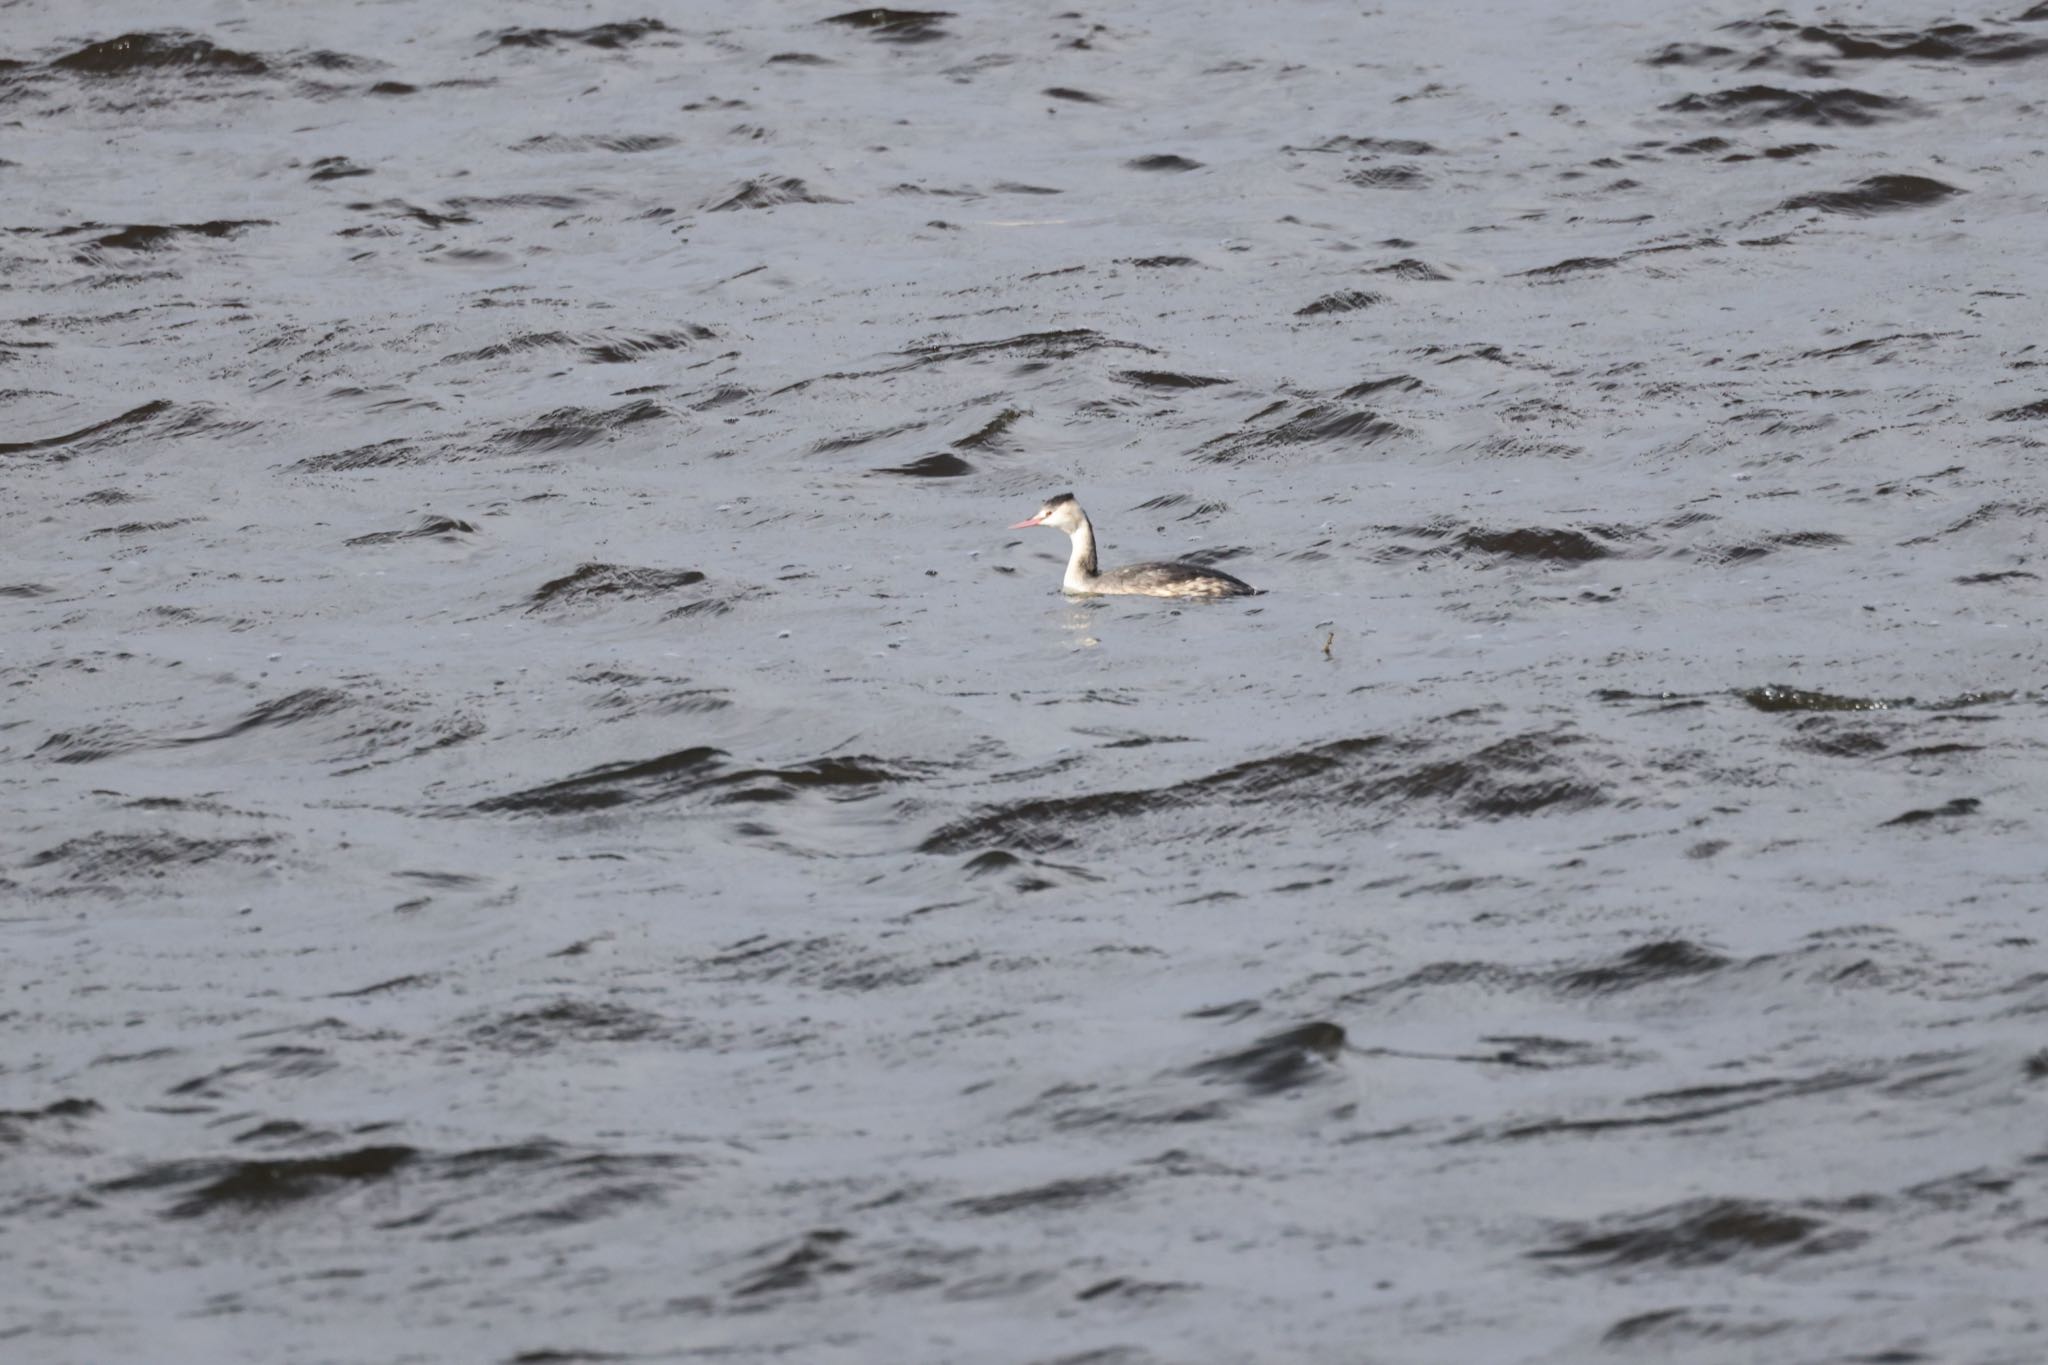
(546, 818)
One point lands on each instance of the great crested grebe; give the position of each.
(1159, 579)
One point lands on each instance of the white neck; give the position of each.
(1081, 565)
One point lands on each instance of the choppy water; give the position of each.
(547, 819)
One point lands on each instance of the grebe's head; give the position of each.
(1062, 513)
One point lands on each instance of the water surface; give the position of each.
(548, 819)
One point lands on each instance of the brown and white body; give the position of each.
(1174, 578)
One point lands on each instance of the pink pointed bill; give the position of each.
(1033, 522)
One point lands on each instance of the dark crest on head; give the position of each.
(1058, 498)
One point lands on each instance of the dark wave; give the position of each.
(1823, 734)
(607, 37)
(1577, 265)
(1057, 345)
(1949, 810)
(993, 434)
(839, 778)
(1643, 965)
(1058, 1195)
(680, 773)
(1940, 42)
(1343, 301)
(767, 192)
(1393, 383)
(137, 528)
(1779, 697)
(380, 455)
(1751, 1234)
(399, 208)
(418, 1188)
(849, 440)
(1373, 146)
(101, 859)
(337, 168)
(939, 465)
(303, 705)
(701, 771)
(65, 1116)
(1535, 542)
(602, 348)
(1388, 178)
(1412, 269)
(798, 1267)
(588, 583)
(1167, 379)
(90, 743)
(567, 1022)
(341, 728)
(246, 1187)
(1278, 1062)
(571, 428)
(156, 236)
(626, 143)
(1879, 194)
(529, 341)
(626, 347)
(144, 413)
(895, 25)
(426, 528)
(1691, 54)
(1341, 427)
(1770, 104)
(134, 54)
(1372, 778)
